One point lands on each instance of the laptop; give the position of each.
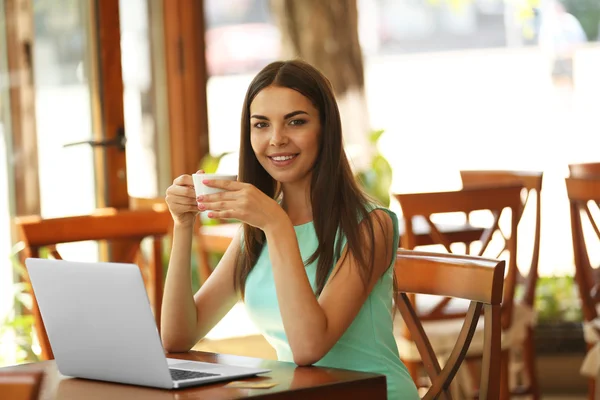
(100, 326)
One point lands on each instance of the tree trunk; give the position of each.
(324, 33)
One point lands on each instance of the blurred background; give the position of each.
(105, 102)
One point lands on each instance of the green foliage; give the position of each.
(377, 180)
(19, 322)
(557, 300)
(588, 14)
(210, 163)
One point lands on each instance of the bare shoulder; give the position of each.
(382, 224)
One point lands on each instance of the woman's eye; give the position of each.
(260, 125)
(298, 122)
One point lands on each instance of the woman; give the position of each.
(314, 260)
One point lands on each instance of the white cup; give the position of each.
(202, 189)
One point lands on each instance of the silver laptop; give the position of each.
(100, 326)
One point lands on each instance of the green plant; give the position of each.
(557, 300)
(587, 13)
(377, 180)
(18, 325)
(209, 163)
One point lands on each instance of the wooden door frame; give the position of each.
(184, 29)
(110, 162)
(19, 53)
(186, 77)
(104, 60)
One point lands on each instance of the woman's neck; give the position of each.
(296, 203)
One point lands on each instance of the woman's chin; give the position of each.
(290, 177)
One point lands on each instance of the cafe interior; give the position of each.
(451, 112)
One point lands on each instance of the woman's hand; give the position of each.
(181, 199)
(241, 201)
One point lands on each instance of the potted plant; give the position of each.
(559, 326)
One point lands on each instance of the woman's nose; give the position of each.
(278, 137)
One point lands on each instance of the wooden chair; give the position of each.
(532, 184)
(126, 226)
(584, 170)
(440, 319)
(21, 385)
(452, 275)
(584, 196)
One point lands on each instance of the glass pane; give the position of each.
(241, 38)
(138, 101)
(63, 113)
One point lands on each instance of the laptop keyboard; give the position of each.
(180, 374)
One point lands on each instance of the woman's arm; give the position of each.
(186, 318)
(313, 326)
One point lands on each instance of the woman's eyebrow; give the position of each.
(294, 113)
(286, 116)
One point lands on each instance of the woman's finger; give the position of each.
(214, 197)
(182, 201)
(184, 180)
(181, 195)
(181, 191)
(224, 184)
(216, 205)
(226, 214)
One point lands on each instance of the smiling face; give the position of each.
(284, 134)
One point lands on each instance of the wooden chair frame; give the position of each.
(451, 275)
(21, 385)
(581, 192)
(585, 170)
(493, 198)
(532, 183)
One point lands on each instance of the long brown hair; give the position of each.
(338, 203)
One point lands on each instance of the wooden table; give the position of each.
(216, 238)
(292, 383)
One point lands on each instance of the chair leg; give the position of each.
(413, 370)
(592, 395)
(40, 331)
(504, 371)
(157, 279)
(530, 368)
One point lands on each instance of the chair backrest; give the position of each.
(584, 170)
(494, 199)
(128, 227)
(532, 185)
(21, 385)
(102, 224)
(453, 275)
(583, 194)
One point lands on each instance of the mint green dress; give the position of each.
(368, 344)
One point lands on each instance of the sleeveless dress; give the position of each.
(368, 345)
